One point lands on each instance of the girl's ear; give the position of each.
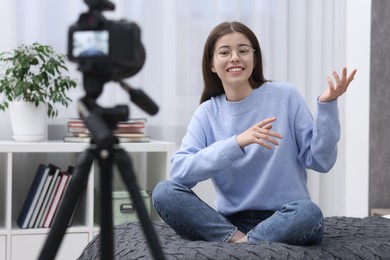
(212, 67)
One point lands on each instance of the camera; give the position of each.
(106, 50)
(109, 49)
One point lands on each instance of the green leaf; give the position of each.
(35, 73)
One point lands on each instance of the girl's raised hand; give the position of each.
(338, 88)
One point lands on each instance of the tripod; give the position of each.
(105, 149)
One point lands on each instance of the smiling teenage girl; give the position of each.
(254, 139)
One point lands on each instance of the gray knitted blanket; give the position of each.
(344, 238)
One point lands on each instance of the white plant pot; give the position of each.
(28, 122)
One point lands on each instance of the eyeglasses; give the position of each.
(223, 54)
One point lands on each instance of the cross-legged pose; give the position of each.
(254, 139)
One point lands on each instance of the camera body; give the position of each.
(105, 48)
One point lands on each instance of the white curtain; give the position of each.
(302, 42)
(8, 41)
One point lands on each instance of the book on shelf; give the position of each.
(45, 193)
(63, 180)
(42, 196)
(122, 128)
(77, 139)
(71, 171)
(118, 135)
(134, 124)
(45, 204)
(132, 130)
(49, 202)
(32, 196)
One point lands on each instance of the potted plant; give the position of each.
(32, 79)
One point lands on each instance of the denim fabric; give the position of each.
(297, 223)
(188, 215)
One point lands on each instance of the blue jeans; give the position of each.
(296, 223)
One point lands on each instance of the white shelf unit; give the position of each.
(18, 164)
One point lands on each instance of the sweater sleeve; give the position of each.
(196, 161)
(318, 138)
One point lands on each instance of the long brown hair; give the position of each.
(212, 83)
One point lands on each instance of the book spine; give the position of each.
(56, 200)
(41, 197)
(49, 202)
(46, 199)
(32, 196)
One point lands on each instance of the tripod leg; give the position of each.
(67, 206)
(125, 167)
(106, 165)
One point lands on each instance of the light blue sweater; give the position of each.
(255, 178)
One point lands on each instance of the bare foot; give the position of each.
(242, 240)
(237, 236)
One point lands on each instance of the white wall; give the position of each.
(8, 28)
(358, 35)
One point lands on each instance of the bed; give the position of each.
(344, 238)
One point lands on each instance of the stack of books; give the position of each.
(44, 196)
(132, 130)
